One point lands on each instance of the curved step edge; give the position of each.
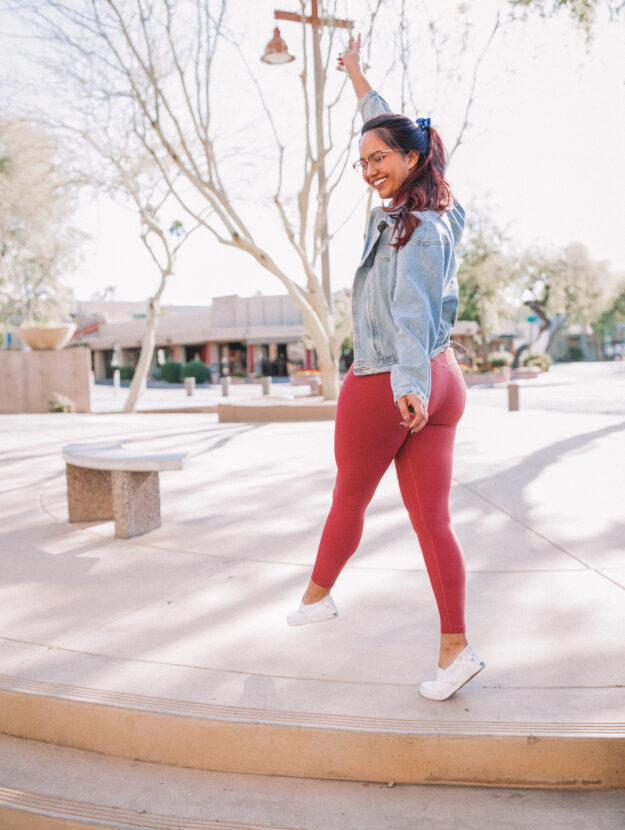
(24, 810)
(228, 739)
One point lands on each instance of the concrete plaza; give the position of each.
(192, 614)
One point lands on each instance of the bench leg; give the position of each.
(136, 503)
(89, 497)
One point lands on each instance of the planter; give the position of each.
(486, 378)
(47, 337)
(526, 373)
(303, 380)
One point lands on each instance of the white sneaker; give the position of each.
(466, 665)
(325, 609)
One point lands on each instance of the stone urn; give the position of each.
(53, 336)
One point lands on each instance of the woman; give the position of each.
(405, 300)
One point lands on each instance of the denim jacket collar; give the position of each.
(379, 220)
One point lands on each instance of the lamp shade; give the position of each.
(276, 50)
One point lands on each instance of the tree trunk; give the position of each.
(330, 380)
(148, 342)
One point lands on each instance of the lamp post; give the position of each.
(276, 53)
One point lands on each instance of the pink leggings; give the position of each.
(368, 436)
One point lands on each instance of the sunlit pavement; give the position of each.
(195, 610)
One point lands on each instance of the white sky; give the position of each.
(546, 158)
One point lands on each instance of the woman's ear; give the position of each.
(413, 159)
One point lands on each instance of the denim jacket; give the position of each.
(405, 300)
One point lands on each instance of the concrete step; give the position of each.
(44, 787)
(315, 744)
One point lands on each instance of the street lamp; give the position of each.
(276, 53)
(276, 50)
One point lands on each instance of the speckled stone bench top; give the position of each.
(111, 456)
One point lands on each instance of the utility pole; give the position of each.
(317, 24)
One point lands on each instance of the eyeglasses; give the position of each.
(375, 158)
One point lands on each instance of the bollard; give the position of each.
(266, 386)
(189, 385)
(116, 380)
(225, 386)
(315, 383)
(513, 397)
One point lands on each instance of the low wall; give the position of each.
(27, 378)
(262, 410)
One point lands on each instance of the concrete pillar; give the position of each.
(136, 503)
(513, 397)
(89, 494)
(189, 385)
(266, 382)
(99, 364)
(116, 380)
(225, 386)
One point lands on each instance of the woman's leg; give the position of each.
(366, 439)
(424, 470)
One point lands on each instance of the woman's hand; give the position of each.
(350, 58)
(414, 412)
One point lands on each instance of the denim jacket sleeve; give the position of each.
(372, 104)
(416, 307)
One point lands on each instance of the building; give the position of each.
(247, 336)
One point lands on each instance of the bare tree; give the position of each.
(120, 167)
(146, 58)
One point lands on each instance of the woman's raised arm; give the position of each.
(350, 61)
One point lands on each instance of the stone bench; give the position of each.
(109, 481)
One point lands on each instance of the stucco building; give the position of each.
(245, 335)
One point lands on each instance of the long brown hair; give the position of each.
(425, 187)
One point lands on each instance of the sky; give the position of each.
(545, 157)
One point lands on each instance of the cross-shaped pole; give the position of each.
(317, 24)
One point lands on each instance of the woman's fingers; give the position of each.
(418, 423)
(405, 413)
(414, 412)
(351, 56)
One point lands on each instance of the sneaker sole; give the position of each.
(309, 621)
(457, 689)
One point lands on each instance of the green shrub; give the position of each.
(239, 373)
(171, 371)
(196, 369)
(126, 372)
(576, 353)
(156, 373)
(60, 403)
(499, 359)
(543, 361)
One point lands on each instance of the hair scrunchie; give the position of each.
(423, 135)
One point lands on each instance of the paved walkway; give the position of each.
(105, 398)
(195, 610)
